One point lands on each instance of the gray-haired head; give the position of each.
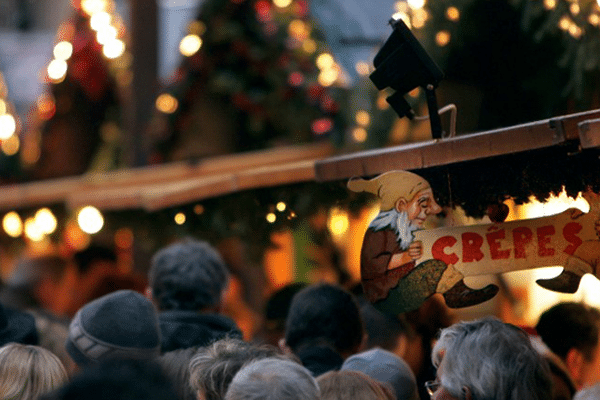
(213, 367)
(493, 359)
(273, 379)
(188, 275)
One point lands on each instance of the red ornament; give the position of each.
(322, 125)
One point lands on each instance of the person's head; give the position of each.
(273, 379)
(117, 379)
(385, 367)
(385, 331)
(489, 359)
(175, 365)
(122, 324)
(188, 275)
(406, 202)
(17, 326)
(342, 385)
(27, 372)
(571, 331)
(324, 314)
(213, 367)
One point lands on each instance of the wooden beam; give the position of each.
(515, 139)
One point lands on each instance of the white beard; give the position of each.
(399, 223)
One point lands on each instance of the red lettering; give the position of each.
(570, 232)
(522, 236)
(493, 239)
(543, 237)
(472, 247)
(437, 250)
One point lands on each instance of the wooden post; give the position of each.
(144, 48)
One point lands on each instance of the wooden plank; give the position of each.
(589, 133)
(35, 194)
(510, 140)
(162, 196)
(302, 171)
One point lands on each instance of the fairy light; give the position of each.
(594, 19)
(338, 222)
(197, 28)
(363, 118)
(166, 103)
(549, 4)
(106, 34)
(416, 4)
(180, 218)
(90, 220)
(420, 16)
(45, 220)
(8, 126)
(12, 224)
(309, 46)
(404, 17)
(362, 68)
(91, 7)
(100, 20)
(11, 146)
(325, 61)
(442, 38)
(359, 134)
(281, 206)
(57, 70)
(271, 217)
(574, 8)
(282, 3)
(63, 50)
(190, 45)
(453, 14)
(113, 49)
(564, 23)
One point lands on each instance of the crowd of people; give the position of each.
(173, 340)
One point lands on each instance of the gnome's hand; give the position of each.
(415, 250)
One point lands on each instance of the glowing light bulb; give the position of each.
(325, 61)
(12, 224)
(362, 118)
(416, 4)
(106, 34)
(93, 6)
(8, 126)
(63, 51)
(100, 20)
(11, 146)
(113, 49)
(359, 134)
(338, 222)
(282, 3)
(57, 69)
(190, 44)
(166, 103)
(45, 220)
(453, 14)
(442, 38)
(32, 230)
(179, 218)
(90, 220)
(271, 218)
(362, 68)
(281, 206)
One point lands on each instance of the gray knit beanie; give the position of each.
(122, 324)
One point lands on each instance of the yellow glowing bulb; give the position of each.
(282, 3)
(594, 19)
(11, 146)
(197, 27)
(63, 51)
(93, 6)
(271, 217)
(3, 107)
(90, 220)
(564, 23)
(12, 224)
(420, 15)
(281, 206)
(325, 61)
(298, 30)
(362, 68)
(338, 222)
(549, 4)
(401, 6)
(574, 8)
(100, 20)
(179, 218)
(57, 69)
(362, 118)
(106, 34)
(359, 134)
(309, 46)
(45, 220)
(442, 38)
(166, 103)
(416, 4)
(113, 49)
(8, 126)
(32, 230)
(190, 44)
(328, 77)
(453, 14)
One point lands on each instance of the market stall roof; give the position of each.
(162, 186)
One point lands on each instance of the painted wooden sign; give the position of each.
(403, 264)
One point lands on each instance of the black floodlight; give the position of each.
(404, 65)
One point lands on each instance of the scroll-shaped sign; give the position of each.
(403, 264)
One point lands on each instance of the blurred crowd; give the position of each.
(93, 332)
